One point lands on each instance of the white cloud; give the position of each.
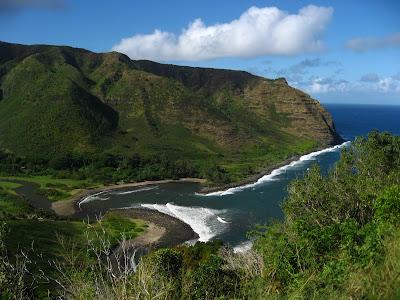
(364, 44)
(258, 31)
(322, 85)
(319, 85)
(387, 85)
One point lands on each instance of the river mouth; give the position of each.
(227, 216)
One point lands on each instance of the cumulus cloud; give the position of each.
(258, 31)
(318, 85)
(369, 43)
(372, 83)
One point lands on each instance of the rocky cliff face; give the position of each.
(306, 116)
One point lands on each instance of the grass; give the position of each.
(44, 234)
(54, 188)
(12, 205)
(48, 239)
(243, 164)
(115, 226)
(9, 186)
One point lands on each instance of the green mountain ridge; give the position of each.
(56, 100)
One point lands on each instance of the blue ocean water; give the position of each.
(231, 215)
(354, 119)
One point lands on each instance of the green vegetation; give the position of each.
(10, 203)
(44, 232)
(52, 187)
(115, 226)
(339, 235)
(340, 239)
(34, 243)
(106, 118)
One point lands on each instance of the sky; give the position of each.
(337, 51)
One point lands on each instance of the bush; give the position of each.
(335, 224)
(387, 206)
(211, 280)
(167, 261)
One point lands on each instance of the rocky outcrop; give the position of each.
(306, 116)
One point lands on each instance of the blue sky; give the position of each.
(338, 51)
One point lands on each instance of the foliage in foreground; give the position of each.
(340, 231)
(340, 239)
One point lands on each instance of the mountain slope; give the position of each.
(56, 100)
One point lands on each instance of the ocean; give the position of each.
(230, 215)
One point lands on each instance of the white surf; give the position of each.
(92, 198)
(137, 191)
(203, 221)
(273, 175)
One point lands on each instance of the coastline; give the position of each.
(165, 230)
(71, 206)
(171, 231)
(253, 179)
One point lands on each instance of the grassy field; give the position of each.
(9, 187)
(54, 188)
(45, 236)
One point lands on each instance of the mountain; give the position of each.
(56, 100)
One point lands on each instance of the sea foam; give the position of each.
(204, 221)
(137, 191)
(273, 175)
(93, 198)
(96, 197)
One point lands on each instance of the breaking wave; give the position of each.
(93, 198)
(272, 176)
(204, 221)
(97, 197)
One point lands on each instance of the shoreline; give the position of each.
(170, 231)
(253, 179)
(249, 180)
(163, 231)
(72, 205)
